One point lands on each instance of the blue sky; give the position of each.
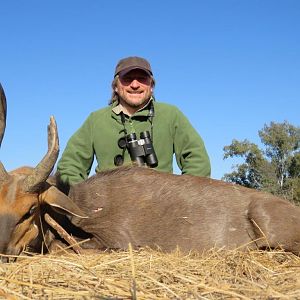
(231, 66)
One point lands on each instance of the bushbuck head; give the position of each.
(24, 191)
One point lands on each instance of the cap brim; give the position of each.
(125, 71)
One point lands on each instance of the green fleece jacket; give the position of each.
(99, 134)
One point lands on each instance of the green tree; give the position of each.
(276, 168)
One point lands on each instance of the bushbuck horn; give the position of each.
(2, 113)
(3, 173)
(44, 168)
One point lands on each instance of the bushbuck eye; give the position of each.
(32, 210)
(28, 214)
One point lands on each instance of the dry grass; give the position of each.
(148, 274)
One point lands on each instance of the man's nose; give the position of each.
(134, 83)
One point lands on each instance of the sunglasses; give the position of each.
(141, 78)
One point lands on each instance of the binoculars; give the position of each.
(141, 150)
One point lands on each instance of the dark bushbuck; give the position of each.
(140, 206)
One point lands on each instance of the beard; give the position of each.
(133, 102)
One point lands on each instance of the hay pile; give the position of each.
(148, 274)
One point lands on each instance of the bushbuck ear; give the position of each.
(57, 199)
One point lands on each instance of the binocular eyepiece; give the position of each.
(141, 151)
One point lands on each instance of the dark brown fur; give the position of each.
(148, 208)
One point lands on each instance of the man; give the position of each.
(133, 109)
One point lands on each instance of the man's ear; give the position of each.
(57, 199)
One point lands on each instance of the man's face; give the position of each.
(134, 88)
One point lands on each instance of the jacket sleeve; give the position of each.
(77, 158)
(189, 148)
